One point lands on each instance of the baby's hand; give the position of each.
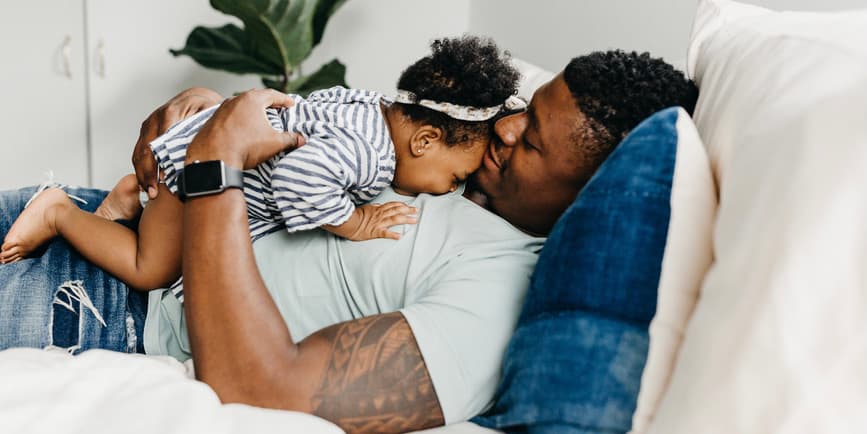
(375, 219)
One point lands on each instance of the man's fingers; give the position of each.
(292, 140)
(147, 177)
(145, 173)
(275, 99)
(266, 98)
(182, 105)
(143, 160)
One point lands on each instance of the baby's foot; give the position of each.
(34, 226)
(122, 202)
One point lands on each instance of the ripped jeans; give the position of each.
(57, 298)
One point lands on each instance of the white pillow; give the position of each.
(688, 255)
(778, 340)
(532, 77)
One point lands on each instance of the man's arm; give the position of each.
(365, 375)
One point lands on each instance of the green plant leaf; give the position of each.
(277, 35)
(324, 10)
(280, 31)
(274, 84)
(331, 74)
(225, 48)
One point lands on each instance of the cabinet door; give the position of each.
(43, 110)
(132, 71)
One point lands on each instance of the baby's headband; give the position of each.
(464, 113)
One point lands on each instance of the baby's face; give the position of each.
(441, 171)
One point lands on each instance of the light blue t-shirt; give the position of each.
(458, 276)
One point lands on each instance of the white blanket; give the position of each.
(105, 392)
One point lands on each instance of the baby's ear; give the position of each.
(426, 138)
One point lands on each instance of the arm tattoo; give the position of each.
(376, 380)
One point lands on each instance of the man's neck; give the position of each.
(475, 194)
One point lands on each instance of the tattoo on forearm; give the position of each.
(376, 380)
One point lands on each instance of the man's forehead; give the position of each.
(561, 126)
(554, 99)
(554, 108)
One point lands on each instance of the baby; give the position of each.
(427, 139)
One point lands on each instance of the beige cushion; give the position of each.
(778, 340)
(532, 77)
(688, 255)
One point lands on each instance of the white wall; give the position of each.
(550, 32)
(378, 39)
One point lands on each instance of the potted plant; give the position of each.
(277, 36)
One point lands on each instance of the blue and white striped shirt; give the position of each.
(348, 159)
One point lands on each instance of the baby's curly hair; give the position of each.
(467, 70)
(616, 90)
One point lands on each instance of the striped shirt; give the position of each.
(347, 160)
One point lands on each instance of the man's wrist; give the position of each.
(205, 178)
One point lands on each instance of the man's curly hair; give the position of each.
(616, 90)
(467, 70)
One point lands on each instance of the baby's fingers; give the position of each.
(397, 207)
(396, 219)
(391, 235)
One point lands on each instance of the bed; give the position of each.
(773, 338)
(45, 391)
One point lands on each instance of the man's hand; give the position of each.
(240, 134)
(183, 105)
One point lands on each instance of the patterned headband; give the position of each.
(461, 112)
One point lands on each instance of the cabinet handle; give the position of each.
(100, 58)
(67, 53)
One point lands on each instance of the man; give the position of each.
(379, 336)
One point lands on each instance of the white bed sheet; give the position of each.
(49, 391)
(105, 392)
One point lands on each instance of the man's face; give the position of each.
(532, 171)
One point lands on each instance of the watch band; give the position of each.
(203, 178)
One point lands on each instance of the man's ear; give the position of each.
(424, 139)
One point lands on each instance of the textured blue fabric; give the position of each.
(32, 312)
(574, 363)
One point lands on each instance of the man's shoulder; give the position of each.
(460, 231)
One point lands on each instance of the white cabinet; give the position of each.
(132, 40)
(43, 124)
(79, 76)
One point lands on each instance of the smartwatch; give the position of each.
(203, 178)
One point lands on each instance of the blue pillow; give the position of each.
(574, 363)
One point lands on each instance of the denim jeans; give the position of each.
(57, 298)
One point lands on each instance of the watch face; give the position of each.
(203, 178)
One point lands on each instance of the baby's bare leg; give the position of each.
(147, 260)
